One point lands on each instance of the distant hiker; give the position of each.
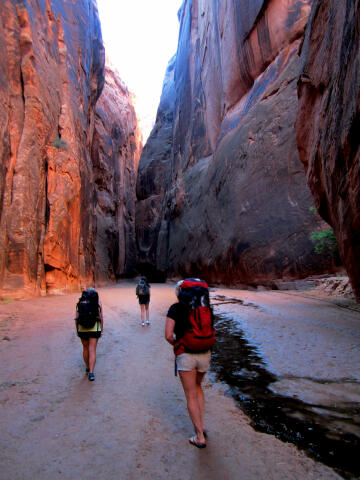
(143, 294)
(189, 328)
(89, 327)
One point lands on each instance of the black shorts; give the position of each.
(144, 299)
(87, 335)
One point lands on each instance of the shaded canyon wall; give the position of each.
(328, 122)
(221, 190)
(116, 149)
(51, 76)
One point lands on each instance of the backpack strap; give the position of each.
(179, 347)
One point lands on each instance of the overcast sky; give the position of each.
(140, 37)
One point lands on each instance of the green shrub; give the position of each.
(6, 300)
(60, 144)
(325, 241)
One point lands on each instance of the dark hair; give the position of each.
(92, 295)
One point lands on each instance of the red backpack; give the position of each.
(200, 336)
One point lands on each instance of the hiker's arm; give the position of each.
(101, 318)
(169, 330)
(76, 322)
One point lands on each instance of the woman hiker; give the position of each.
(89, 325)
(192, 347)
(143, 294)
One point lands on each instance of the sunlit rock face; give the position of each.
(51, 199)
(328, 122)
(221, 190)
(116, 151)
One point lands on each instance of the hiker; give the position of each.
(189, 328)
(89, 327)
(143, 294)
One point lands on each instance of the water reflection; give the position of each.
(330, 433)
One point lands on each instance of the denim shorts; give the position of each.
(186, 362)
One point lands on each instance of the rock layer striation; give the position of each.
(221, 190)
(328, 122)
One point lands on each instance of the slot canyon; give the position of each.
(247, 177)
(226, 185)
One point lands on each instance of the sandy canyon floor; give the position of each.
(132, 423)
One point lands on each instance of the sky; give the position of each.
(140, 37)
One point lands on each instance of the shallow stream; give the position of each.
(330, 433)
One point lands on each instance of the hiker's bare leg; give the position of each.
(92, 353)
(147, 312)
(195, 402)
(201, 397)
(142, 310)
(85, 344)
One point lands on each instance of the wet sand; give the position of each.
(300, 336)
(291, 361)
(131, 423)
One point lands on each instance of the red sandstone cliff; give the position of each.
(116, 150)
(51, 76)
(221, 190)
(328, 122)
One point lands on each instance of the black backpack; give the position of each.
(88, 308)
(143, 289)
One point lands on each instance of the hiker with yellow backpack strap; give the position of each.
(190, 330)
(89, 325)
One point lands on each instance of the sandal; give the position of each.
(91, 377)
(197, 444)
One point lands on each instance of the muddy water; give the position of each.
(328, 433)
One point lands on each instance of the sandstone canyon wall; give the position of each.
(116, 149)
(221, 190)
(51, 200)
(328, 122)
